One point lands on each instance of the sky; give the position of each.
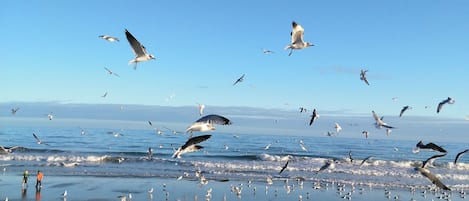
(414, 50)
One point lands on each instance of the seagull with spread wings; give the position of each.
(110, 72)
(191, 145)
(449, 100)
(109, 38)
(206, 123)
(138, 49)
(379, 121)
(297, 41)
(240, 79)
(363, 76)
(39, 141)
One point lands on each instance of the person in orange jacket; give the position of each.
(39, 177)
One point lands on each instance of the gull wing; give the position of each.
(284, 167)
(138, 48)
(215, 119)
(297, 33)
(459, 155)
(195, 140)
(432, 178)
(435, 156)
(37, 138)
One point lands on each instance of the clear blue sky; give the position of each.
(414, 50)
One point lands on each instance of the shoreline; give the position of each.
(91, 188)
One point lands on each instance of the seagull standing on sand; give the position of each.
(363, 76)
(379, 121)
(139, 50)
(110, 72)
(109, 38)
(314, 116)
(191, 145)
(405, 108)
(206, 123)
(240, 79)
(449, 100)
(297, 41)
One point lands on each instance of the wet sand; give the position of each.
(109, 188)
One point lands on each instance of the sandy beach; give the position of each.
(110, 188)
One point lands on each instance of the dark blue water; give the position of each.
(101, 152)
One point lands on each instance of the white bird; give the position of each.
(38, 141)
(64, 194)
(4, 150)
(109, 38)
(267, 146)
(122, 197)
(297, 41)
(110, 72)
(50, 116)
(379, 121)
(206, 123)
(201, 109)
(337, 127)
(139, 50)
(191, 145)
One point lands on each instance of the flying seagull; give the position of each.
(38, 141)
(459, 155)
(363, 76)
(240, 79)
(109, 38)
(110, 72)
(284, 167)
(432, 178)
(191, 145)
(430, 145)
(14, 110)
(366, 133)
(302, 109)
(379, 121)
(365, 160)
(201, 109)
(337, 127)
(266, 51)
(350, 156)
(50, 116)
(449, 100)
(206, 123)
(139, 50)
(327, 164)
(104, 95)
(433, 157)
(405, 108)
(297, 41)
(7, 150)
(314, 116)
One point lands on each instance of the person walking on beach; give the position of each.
(39, 176)
(24, 183)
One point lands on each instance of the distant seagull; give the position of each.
(302, 109)
(405, 108)
(327, 164)
(314, 116)
(284, 167)
(379, 121)
(240, 79)
(430, 145)
(151, 124)
(38, 141)
(14, 110)
(350, 156)
(302, 145)
(50, 116)
(104, 95)
(337, 127)
(394, 98)
(366, 133)
(365, 160)
(433, 157)
(64, 194)
(109, 38)
(4, 150)
(139, 50)
(191, 145)
(449, 100)
(388, 131)
(266, 51)
(297, 41)
(363, 76)
(432, 178)
(150, 153)
(82, 131)
(201, 109)
(267, 146)
(206, 123)
(459, 155)
(122, 197)
(110, 72)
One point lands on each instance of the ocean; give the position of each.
(252, 157)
